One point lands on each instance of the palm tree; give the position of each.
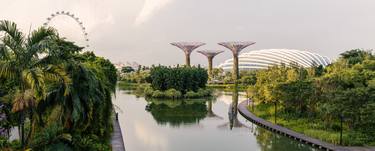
(19, 61)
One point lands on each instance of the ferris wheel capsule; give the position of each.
(87, 45)
(45, 24)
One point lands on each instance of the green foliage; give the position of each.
(173, 93)
(158, 94)
(127, 69)
(70, 89)
(345, 88)
(182, 79)
(135, 77)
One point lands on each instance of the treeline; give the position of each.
(343, 90)
(59, 98)
(182, 79)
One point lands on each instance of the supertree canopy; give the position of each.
(236, 48)
(210, 54)
(187, 47)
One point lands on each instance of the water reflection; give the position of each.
(233, 112)
(176, 113)
(210, 112)
(186, 125)
(274, 142)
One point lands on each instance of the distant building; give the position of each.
(262, 59)
(119, 65)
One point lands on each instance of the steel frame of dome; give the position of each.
(74, 17)
(262, 59)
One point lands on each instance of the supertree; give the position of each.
(72, 16)
(236, 48)
(187, 47)
(210, 54)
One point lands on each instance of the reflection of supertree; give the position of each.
(210, 56)
(232, 113)
(187, 47)
(236, 48)
(75, 18)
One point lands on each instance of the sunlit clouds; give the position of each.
(150, 7)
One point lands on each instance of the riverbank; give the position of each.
(243, 110)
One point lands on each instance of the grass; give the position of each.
(310, 127)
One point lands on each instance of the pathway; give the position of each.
(117, 140)
(242, 108)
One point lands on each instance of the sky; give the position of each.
(141, 30)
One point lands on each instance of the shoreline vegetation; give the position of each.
(61, 101)
(321, 102)
(169, 82)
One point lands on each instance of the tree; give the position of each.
(127, 69)
(20, 64)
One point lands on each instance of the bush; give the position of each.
(191, 94)
(158, 94)
(182, 79)
(173, 93)
(148, 91)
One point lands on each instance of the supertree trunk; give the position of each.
(187, 60)
(210, 67)
(210, 54)
(235, 74)
(236, 48)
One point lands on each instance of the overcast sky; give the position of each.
(141, 30)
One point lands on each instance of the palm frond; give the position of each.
(8, 69)
(13, 36)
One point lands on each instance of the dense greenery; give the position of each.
(322, 96)
(182, 79)
(147, 91)
(58, 97)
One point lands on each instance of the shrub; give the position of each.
(173, 93)
(158, 94)
(148, 91)
(182, 79)
(191, 94)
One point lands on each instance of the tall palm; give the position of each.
(19, 61)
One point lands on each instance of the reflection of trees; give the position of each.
(269, 141)
(177, 113)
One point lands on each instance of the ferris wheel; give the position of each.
(72, 16)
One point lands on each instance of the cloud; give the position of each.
(150, 7)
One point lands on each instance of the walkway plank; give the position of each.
(242, 108)
(117, 140)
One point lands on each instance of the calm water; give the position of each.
(195, 125)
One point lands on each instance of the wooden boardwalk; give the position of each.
(117, 140)
(242, 108)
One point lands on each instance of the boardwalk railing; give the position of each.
(242, 108)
